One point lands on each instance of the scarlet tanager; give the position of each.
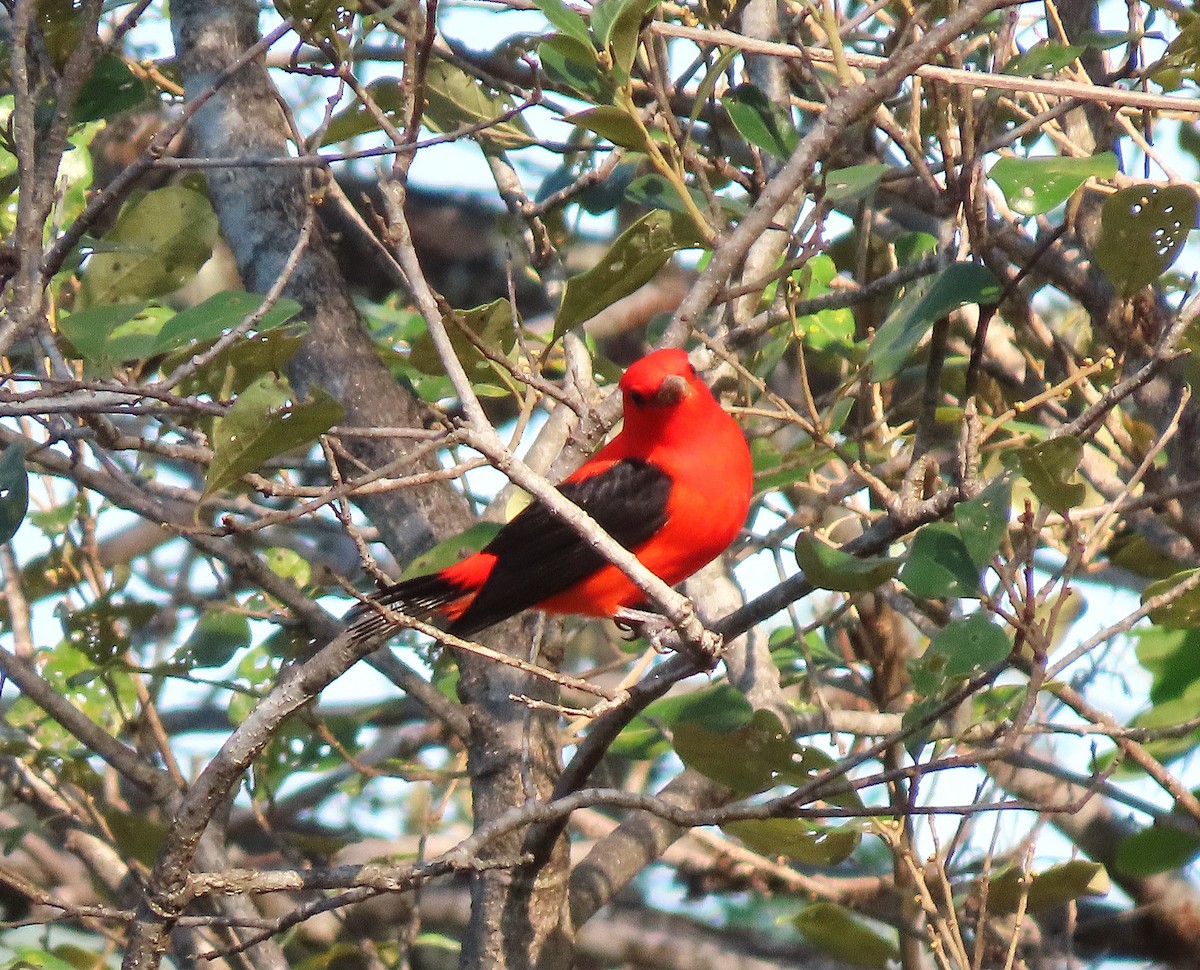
(673, 487)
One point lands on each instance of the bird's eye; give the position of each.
(638, 398)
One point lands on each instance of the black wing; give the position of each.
(538, 555)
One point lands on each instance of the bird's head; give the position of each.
(660, 383)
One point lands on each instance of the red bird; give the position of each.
(673, 487)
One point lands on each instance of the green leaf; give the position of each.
(217, 636)
(1172, 658)
(573, 64)
(836, 931)
(623, 36)
(358, 119)
(14, 491)
(565, 19)
(454, 100)
(242, 364)
(799, 840)
(159, 242)
(491, 325)
(855, 182)
(219, 314)
(289, 564)
(825, 329)
(1183, 612)
(926, 302)
(114, 332)
(137, 836)
(111, 89)
(1049, 468)
(452, 550)
(1052, 887)
(1159, 848)
(1033, 186)
(630, 262)
(939, 564)
(970, 646)
(615, 124)
(1142, 231)
(983, 521)
(755, 756)
(829, 568)
(656, 192)
(764, 124)
(263, 422)
(1043, 58)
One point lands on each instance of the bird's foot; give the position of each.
(655, 627)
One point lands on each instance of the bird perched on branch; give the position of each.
(673, 487)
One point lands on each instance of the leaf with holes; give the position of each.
(799, 840)
(969, 646)
(1142, 231)
(266, 420)
(630, 262)
(1033, 186)
(983, 521)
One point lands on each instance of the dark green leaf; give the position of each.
(623, 37)
(1043, 58)
(799, 840)
(1049, 468)
(1033, 186)
(111, 89)
(14, 491)
(835, 930)
(565, 19)
(242, 364)
(219, 314)
(970, 646)
(1142, 231)
(215, 639)
(939, 564)
(449, 551)
(1183, 612)
(490, 325)
(266, 420)
(829, 568)
(1172, 658)
(137, 836)
(386, 94)
(615, 124)
(983, 521)
(1159, 848)
(161, 239)
(855, 182)
(764, 124)
(656, 192)
(926, 302)
(630, 262)
(573, 64)
(454, 100)
(1052, 887)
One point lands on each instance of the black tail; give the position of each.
(421, 597)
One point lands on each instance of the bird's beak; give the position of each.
(672, 390)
